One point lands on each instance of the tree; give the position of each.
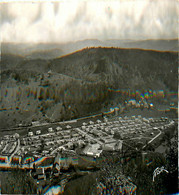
(47, 93)
(171, 181)
(17, 181)
(41, 95)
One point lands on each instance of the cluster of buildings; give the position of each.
(136, 132)
(91, 137)
(8, 144)
(43, 152)
(135, 126)
(139, 104)
(56, 140)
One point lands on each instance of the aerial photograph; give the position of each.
(89, 97)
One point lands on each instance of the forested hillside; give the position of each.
(77, 84)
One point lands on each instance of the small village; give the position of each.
(91, 138)
(48, 151)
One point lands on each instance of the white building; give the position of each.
(30, 133)
(50, 129)
(58, 128)
(92, 150)
(91, 122)
(84, 124)
(83, 127)
(68, 127)
(132, 102)
(38, 132)
(98, 121)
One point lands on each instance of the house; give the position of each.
(109, 147)
(81, 143)
(58, 128)
(67, 132)
(151, 120)
(70, 145)
(95, 131)
(133, 117)
(87, 129)
(56, 169)
(105, 119)
(59, 142)
(35, 123)
(50, 129)
(106, 129)
(91, 122)
(119, 145)
(16, 136)
(49, 73)
(84, 124)
(83, 127)
(75, 135)
(23, 142)
(68, 127)
(59, 189)
(30, 133)
(112, 132)
(132, 102)
(102, 128)
(59, 133)
(65, 162)
(40, 174)
(92, 150)
(38, 132)
(124, 119)
(109, 140)
(98, 121)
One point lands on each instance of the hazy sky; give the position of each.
(77, 20)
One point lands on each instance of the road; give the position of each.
(4, 149)
(58, 148)
(141, 137)
(15, 151)
(152, 139)
(55, 123)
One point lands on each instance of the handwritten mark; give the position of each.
(157, 171)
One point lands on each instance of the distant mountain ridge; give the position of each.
(47, 54)
(53, 50)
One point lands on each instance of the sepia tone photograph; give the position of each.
(89, 97)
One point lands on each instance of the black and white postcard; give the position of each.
(89, 97)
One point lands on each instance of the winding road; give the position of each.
(152, 139)
(16, 150)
